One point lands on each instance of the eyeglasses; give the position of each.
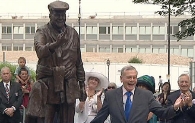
(111, 87)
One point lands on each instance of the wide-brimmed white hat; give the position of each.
(103, 79)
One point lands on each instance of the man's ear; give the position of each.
(121, 78)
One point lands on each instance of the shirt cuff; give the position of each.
(4, 111)
(14, 108)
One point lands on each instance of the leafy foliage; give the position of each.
(13, 68)
(177, 8)
(135, 60)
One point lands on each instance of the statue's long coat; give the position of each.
(62, 67)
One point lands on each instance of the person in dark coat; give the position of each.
(11, 98)
(187, 111)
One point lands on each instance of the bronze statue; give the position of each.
(59, 70)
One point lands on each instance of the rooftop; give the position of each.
(99, 15)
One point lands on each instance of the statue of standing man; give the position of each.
(59, 70)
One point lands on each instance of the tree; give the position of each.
(178, 7)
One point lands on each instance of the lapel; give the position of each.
(2, 89)
(135, 100)
(119, 100)
(11, 89)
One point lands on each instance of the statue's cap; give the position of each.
(58, 5)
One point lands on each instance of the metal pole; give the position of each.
(79, 16)
(4, 57)
(108, 71)
(169, 34)
(108, 64)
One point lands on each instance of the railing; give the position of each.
(106, 15)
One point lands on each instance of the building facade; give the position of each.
(113, 33)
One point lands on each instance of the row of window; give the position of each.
(184, 51)
(128, 30)
(18, 30)
(101, 29)
(176, 51)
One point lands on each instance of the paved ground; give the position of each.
(12, 56)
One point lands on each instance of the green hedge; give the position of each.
(13, 68)
(135, 60)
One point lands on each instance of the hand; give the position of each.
(82, 91)
(99, 94)
(81, 106)
(188, 98)
(62, 36)
(150, 116)
(26, 81)
(22, 81)
(178, 103)
(9, 111)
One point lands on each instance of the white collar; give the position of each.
(4, 83)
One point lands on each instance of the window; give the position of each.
(120, 50)
(117, 30)
(127, 30)
(173, 29)
(6, 48)
(30, 30)
(28, 48)
(158, 30)
(184, 52)
(174, 51)
(142, 50)
(148, 50)
(114, 49)
(6, 29)
(104, 49)
(91, 30)
(134, 30)
(82, 29)
(134, 50)
(162, 30)
(144, 30)
(155, 50)
(190, 52)
(18, 29)
(130, 30)
(155, 30)
(104, 30)
(27, 30)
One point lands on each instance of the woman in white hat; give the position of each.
(95, 84)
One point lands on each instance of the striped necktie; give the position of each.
(7, 91)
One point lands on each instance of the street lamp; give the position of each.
(108, 64)
(79, 16)
(169, 35)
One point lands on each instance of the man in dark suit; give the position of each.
(141, 102)
(186, 113)
(11, 96)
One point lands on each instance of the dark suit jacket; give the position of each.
(184, 116)
(15, 99)
(143, 103)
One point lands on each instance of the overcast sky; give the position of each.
(87, 6)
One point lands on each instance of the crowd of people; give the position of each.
(105, 103)
(15, 94)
